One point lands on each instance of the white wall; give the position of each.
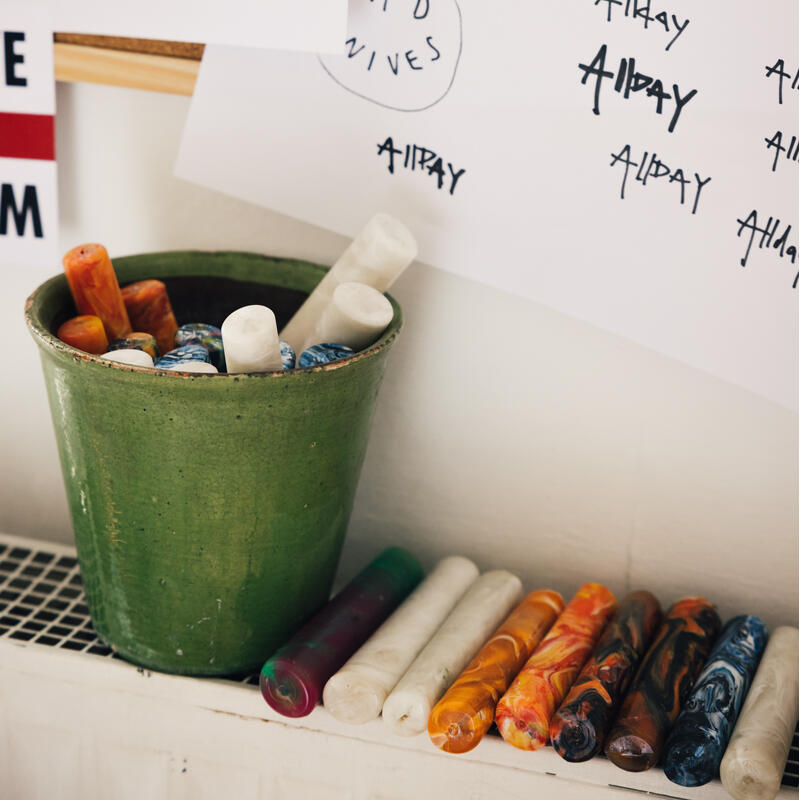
(528, 440)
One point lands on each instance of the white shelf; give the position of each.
(75, 724)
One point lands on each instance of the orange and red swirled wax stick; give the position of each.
(94, 287)
(524, 712)
(86, 332)
(149, 309)
(662, 683)
(466, 711)
(578, 728)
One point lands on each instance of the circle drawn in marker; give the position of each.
(399, 54)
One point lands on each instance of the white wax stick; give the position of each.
(356, 316)
(134, 358)
(753, 764)
(476, 616)
(355, 694)
(380, 252)
(250, 340)
(191, 366)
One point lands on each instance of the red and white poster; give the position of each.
(28, 184)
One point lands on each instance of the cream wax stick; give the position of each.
(380, 252)
(752, 766)
(250, 340)
(485, 605)
(134, 358)
(356, 316)
(192, 366)
(356, 693)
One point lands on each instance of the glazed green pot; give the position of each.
(209, 510)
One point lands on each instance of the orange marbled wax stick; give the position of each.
(86, 332)
(150, 310)
(466, 711)
(94, 287)
(524, 711)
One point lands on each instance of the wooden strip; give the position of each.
(156, 47)
(157, 73)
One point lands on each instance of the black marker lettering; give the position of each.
(680, 28)
(455, 176)
(30, 204)
(411, 59)
(596, 68)
(625, 157)
(700, 185)
(388, 147)
(429, 40)
(680, 102)
(10, 38)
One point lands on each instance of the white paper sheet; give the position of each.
(28, 183)
(472, 122)
(312, 25)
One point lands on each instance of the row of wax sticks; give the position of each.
(456, 651)
(136, 325)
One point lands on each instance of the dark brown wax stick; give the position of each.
(579, 727)
(662, 684)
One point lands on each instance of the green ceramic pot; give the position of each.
(209, 510)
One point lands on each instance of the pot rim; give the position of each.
(47, 340)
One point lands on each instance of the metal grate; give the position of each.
(42, 602)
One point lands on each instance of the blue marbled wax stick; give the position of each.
(698, 740)
(288, 357)
(187, 352)
(209, 336)
(319, 354)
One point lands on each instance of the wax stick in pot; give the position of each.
(86, 332)
(461, 718)
(378, 254)
(698, 739)
(149, 310)
(580, 724)
(94, 287)
(752, 767)
(138, 340)
(356, 693)
(250, 340)
(293, 678)
(356, 316)
(524, 711)
(487, 601)
(133, 358)
(662, 684)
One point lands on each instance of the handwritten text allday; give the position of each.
(628, 80)
(639, 10)
(414, 157)
(655, 168)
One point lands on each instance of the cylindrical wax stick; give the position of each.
(187, 352)
(698, 739)
(292, 679)
(380, 252)
(134, 358)
(190, 366)
(356, 316)
(485, 604)
(319, 354)
(579, 726)
(94, 287)
(356, 693)
(209, 336)
(753, 764)
(664, 679)
(524, 711)
(139, 340)
(149, 310)
(86, 332)
(461, 718)
(250, 339)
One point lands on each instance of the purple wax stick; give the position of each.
(293, 678)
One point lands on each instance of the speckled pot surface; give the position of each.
(209, 510)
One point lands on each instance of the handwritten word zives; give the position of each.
(640, 10)
(655, 168)
(790, 149)
(628, 81)
(767, 233)
(413, 157)
(778, 72)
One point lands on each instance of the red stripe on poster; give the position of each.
(27, 136)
